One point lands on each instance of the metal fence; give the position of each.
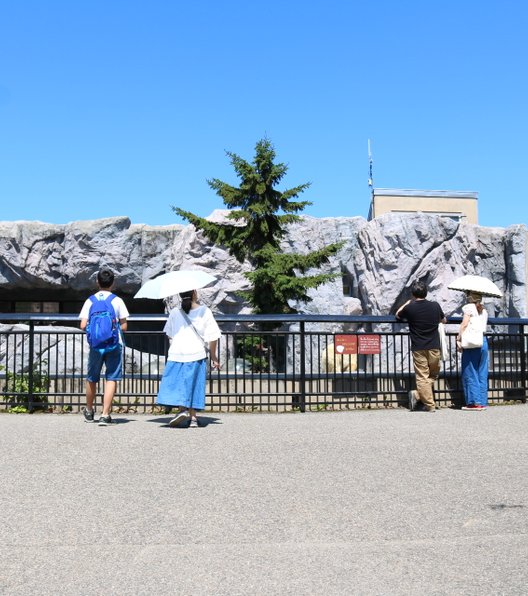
(269, 363)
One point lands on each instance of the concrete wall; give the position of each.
(459, 205)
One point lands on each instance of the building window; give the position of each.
(37, 307)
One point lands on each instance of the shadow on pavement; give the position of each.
(204, 421)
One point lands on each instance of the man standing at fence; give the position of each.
(103, 316)
(423, 317)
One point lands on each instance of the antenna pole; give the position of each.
(371, 177)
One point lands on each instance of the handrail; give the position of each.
(294, 318)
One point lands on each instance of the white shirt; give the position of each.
(479, 322)
(185, 345)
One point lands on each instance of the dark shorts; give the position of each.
(113, 362)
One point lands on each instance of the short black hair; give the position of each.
(105, 278)
(419, 289)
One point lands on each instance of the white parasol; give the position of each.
(476, 283)
(174, 282)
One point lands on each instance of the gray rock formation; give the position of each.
(379, 259)
(35, 254)
(382, 257)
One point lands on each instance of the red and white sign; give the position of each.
(369, 344)
(357, 344)
(345, 344)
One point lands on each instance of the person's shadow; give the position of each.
(117, 421)
(203, 421)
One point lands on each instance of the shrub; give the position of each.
(16, 391)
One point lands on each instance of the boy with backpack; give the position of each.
(103, 316)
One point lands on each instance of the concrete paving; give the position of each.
(363, 502)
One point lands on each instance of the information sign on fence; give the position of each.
(357, 344)
(346, 344)
(369, 344)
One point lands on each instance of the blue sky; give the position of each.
(125, 108)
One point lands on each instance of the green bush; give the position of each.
(16, 391)
(254, 350)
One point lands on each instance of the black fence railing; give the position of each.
(269, 363)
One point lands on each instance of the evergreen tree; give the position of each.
(260, 215)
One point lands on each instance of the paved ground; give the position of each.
(364, 502)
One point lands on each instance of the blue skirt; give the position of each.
(183, 384)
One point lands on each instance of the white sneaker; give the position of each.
(179, 419)
(194, 423)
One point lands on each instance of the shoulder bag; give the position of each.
(444, 348)
(473, 336)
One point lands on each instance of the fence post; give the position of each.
(31, 364)
(302, 383)
(523, 359)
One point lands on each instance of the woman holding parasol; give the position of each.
(192, 331)
(471, 339)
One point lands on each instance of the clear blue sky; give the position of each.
(121, 107)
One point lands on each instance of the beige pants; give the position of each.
(426, 368)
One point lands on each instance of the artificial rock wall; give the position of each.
(379, 259)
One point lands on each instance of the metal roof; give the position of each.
(446, 194)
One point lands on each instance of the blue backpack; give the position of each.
(102, 330)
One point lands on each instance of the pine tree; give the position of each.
(260, 216)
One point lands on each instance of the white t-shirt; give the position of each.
(186, 346)
(479, 322)
(120, 308)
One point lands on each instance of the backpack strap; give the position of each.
(107, 300)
